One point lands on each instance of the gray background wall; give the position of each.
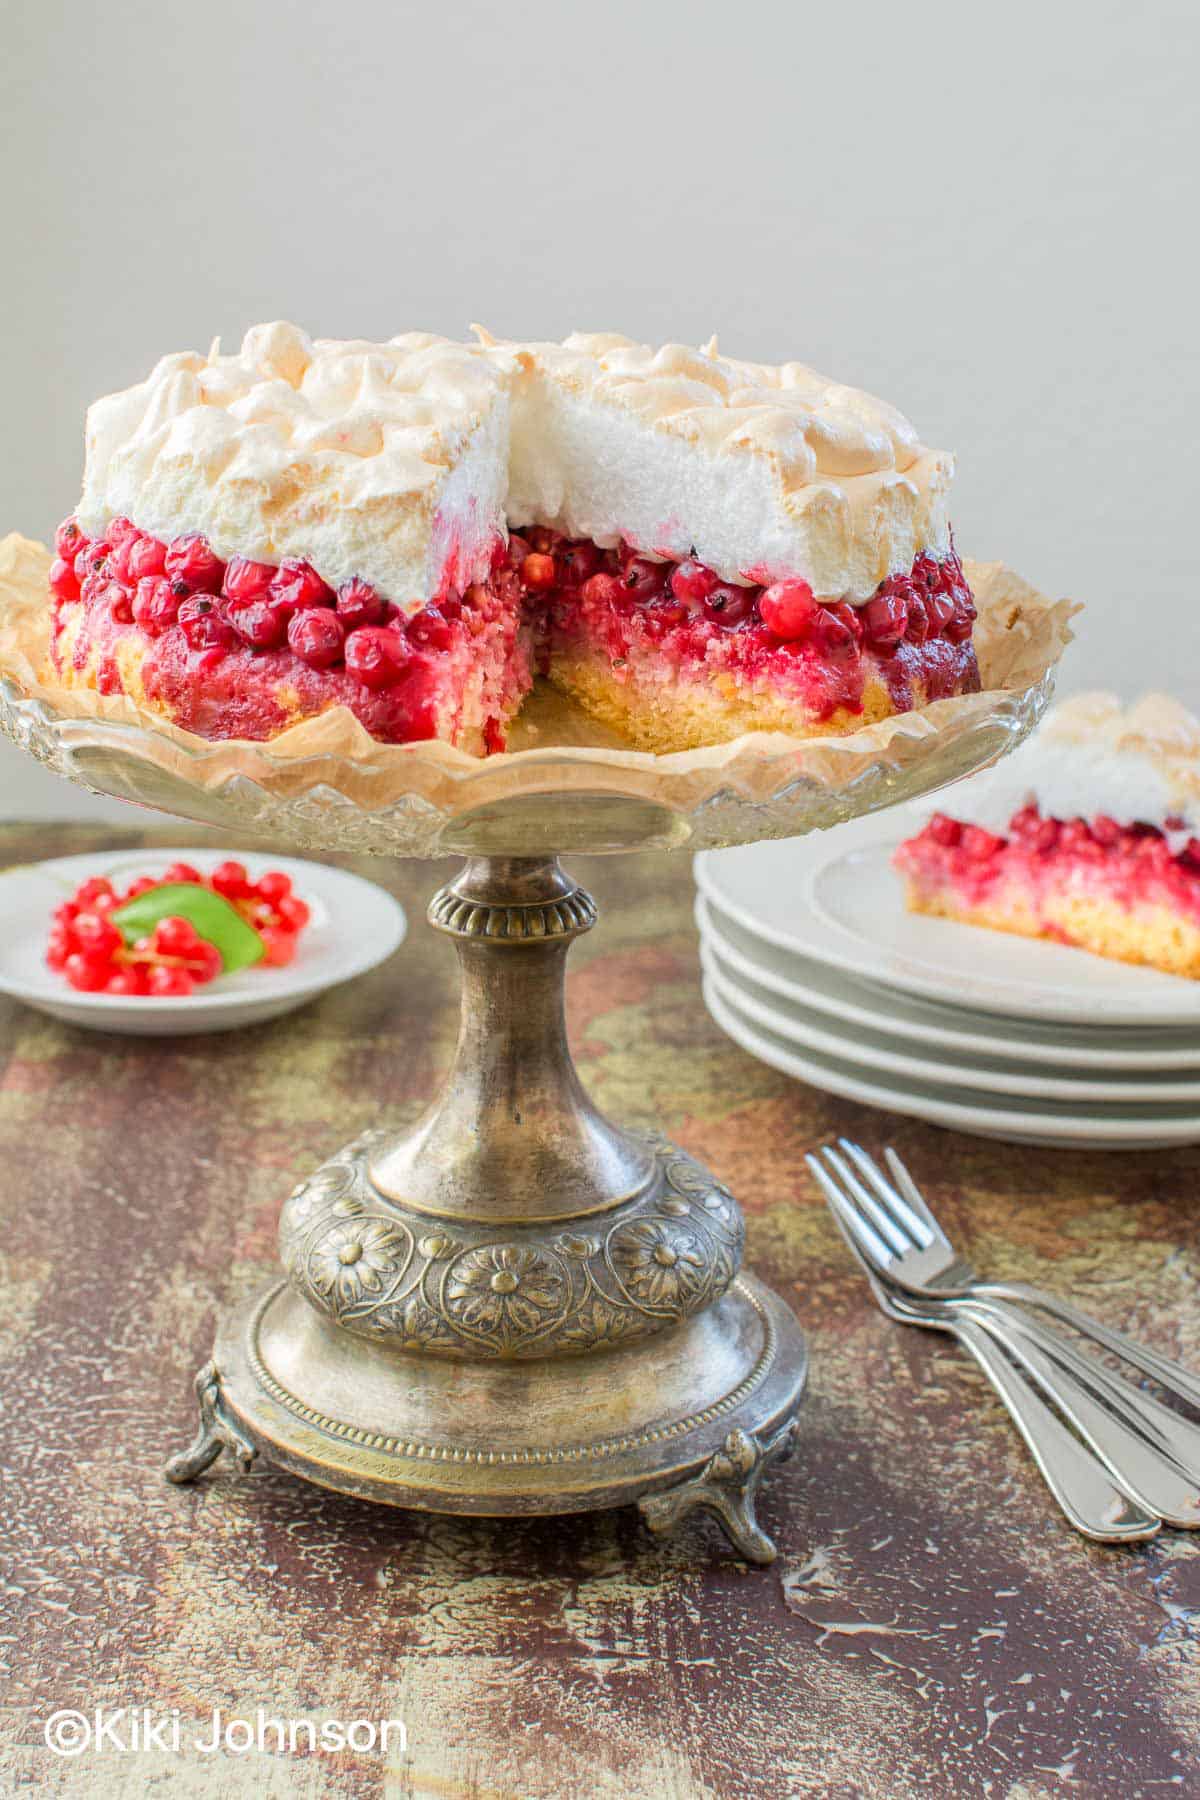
(986, 214)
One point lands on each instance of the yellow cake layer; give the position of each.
(660, 714)
(1150, 934)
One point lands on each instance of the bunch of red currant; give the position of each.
(174, 958)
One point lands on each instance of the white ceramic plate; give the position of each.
(833, 896)
(354, 926)
(876, 1049)
(1118, 1049)
(1099, 1127)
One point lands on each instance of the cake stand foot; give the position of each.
(727, 1486)
(217, 1431)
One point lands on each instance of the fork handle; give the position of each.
(1169, 1375)
(1095, 1403)
(1082, 1486)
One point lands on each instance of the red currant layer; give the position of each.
(243, 648)
(916, 626)
(1131, 863)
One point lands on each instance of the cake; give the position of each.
(1089, 835)
(692, 547)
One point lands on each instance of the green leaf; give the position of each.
(211, 914)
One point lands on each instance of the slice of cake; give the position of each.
(1089, 834)
(693, 547)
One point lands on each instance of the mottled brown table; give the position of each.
(931, 1627)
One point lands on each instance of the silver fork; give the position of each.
(1152, 1452)
(1082, 1485)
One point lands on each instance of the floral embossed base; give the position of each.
(469, 1290)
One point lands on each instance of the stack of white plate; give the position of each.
(812, 964)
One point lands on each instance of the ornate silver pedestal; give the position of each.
(513, 1307)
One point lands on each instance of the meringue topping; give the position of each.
(400, 462)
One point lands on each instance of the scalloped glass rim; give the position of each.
(537, 802)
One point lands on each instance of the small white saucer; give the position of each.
(355, 925)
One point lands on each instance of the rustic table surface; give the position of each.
(931, 1626)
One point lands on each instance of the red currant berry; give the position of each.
(203, 626)
(885, 620)
(96, 935)
(181, 871)
(59, 946)
(120, 529)
(317, 636)
(155, 606)
(230, 879)
(918, 628)
(294, 913)
(204, 961)
(691, 582)
(189, 559)
(539, 572)
(87, 973)
(258, 622)
(376, 655)
(246, 580)
(429, 629)
(833, 636)
(274, 886)
(358, 603)
(728, 605)
(579, 565)
(91, 889)
(168, 983)
(64, 583)
(297, 585)
(642, 580)
(280, 946)
(959, 629)
(145, 556)
(129, 982)
(602, 590)
(143, 885)
(175, 936)
(69, 540)
(789, 609)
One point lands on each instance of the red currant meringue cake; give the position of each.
(692, 547)
(1089, 835)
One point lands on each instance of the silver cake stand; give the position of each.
(514, 1307)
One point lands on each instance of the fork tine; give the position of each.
(863, 1240)
(885, 1223)
(913, 1194)
(918, 1225)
